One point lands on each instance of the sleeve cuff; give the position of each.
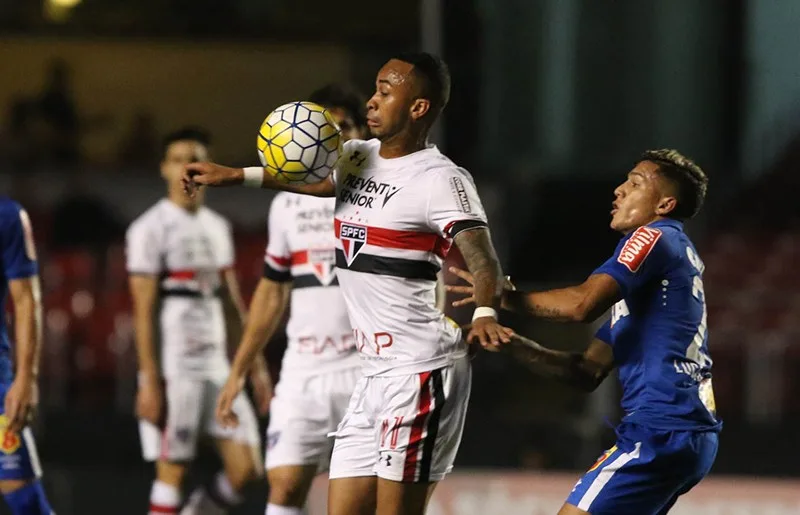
(453, 229)
(276, 275)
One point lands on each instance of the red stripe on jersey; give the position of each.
(300, 257)
(160, 508)
(182, 274)
(404, 240)
(280, 261)
(417, 428)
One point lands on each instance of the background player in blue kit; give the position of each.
(657, 337)
(19, 464)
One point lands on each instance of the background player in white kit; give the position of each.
(399, 205)
(180, 258)
(321, 364)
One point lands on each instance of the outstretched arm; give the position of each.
(211, 174)
(583, 370)
(582, 303)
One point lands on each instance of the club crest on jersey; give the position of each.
(602, 458)
(9, 440)
(322, 262)
(353, 238)
(638, 247)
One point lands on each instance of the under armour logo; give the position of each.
(357, 157)
(387, 458)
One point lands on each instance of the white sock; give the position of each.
(214, 499)
(224, 489)
(164, 498)
(274, 509)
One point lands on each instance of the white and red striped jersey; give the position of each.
(301, 249)
(395, 220)
(187, 251)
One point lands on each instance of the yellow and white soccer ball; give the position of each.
(298, 143)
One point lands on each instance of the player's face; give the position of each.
(178, 154)
(641, 199)
(388, 111)
(347, 124)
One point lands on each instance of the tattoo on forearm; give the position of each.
(525, 302)
(569, 367)
(481, 260)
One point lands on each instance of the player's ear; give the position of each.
(420, 108)
(666, 205)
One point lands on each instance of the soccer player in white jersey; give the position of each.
(400, 203)
(321, 365)
(180, 260)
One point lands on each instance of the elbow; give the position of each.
(580, 313)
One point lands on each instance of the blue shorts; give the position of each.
(645, 472)
(18, 457)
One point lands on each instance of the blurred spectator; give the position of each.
(84, 220)
(140, 146)
(57, 110)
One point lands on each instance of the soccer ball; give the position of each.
(298, 143)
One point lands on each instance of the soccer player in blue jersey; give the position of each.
(656, 337)
(19, 464)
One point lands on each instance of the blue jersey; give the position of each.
(18, 262)
(658, 330)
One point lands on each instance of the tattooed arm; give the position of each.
(478, 252)
(583, 370)
(476, 248)
(582, 303)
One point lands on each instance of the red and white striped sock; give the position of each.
(164, 499)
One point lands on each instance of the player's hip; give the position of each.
(692, 449)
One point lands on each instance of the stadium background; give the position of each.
(552, 102)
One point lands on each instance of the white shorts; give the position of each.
(404, 428)
(304, 410)
(190, 405)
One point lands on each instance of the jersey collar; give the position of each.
(667, 222)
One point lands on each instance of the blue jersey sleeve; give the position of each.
(639, 256)
(604, 333)
(18, 250)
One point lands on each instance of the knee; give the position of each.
(170, 473)
(287, 490)
(246, 472)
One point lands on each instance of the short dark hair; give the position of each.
(435, 77)
(690, 181)
(191, 133)
(343, 97)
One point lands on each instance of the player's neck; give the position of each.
(403, 144)
(180, 199)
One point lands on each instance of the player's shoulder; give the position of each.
(9, 207)
(662, 240)
(214, 217)
(151, 219)
(360, 145)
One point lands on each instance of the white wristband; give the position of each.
(253, 177)
(484, 311)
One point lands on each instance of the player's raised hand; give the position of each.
(224, 411)
(467, 291)
(489, 333)
(20, 403)
(150, 401)
(209, 174)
